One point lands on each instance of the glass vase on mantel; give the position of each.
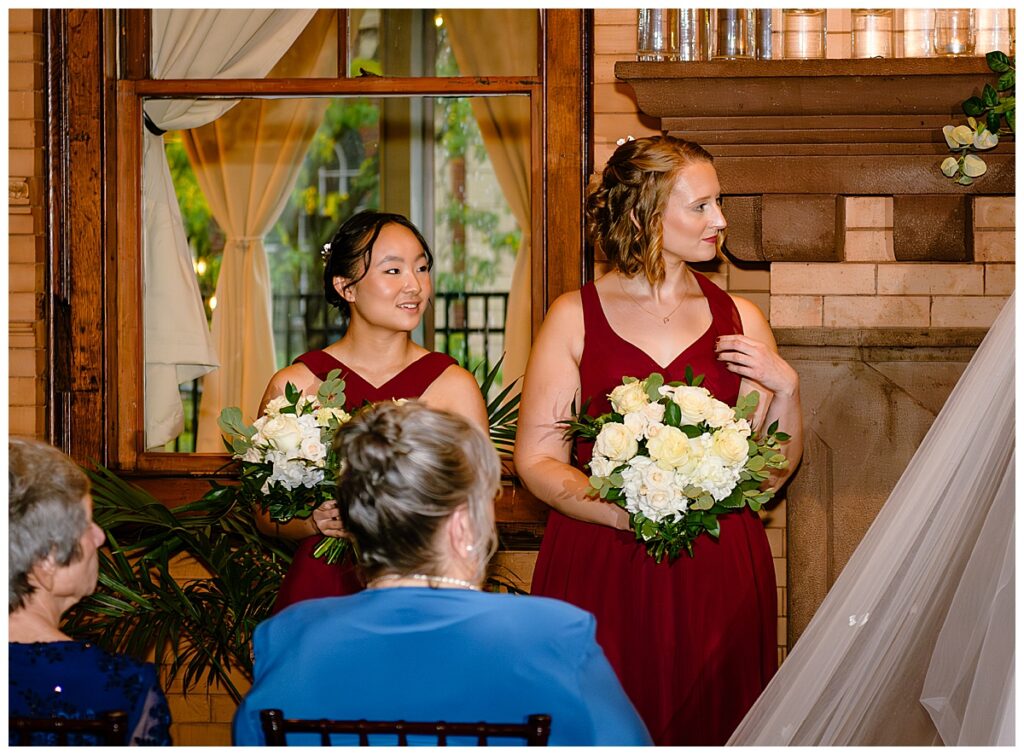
(953, 33)
(657, 34)
(871, 34)
(916, 39)
(733, 33)
(764, 43)
(803, 33)
(993, 30)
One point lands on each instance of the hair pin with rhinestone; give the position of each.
(629, 138)
(326, 251)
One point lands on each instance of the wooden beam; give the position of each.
(566, 60)
(76, 172)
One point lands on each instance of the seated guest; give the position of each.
(423, 643)
(53, 564)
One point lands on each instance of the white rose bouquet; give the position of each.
(675, 458)
(288, 462)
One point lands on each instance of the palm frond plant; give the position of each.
(202, 626)
(502, 410)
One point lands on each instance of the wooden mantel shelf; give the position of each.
(895, 86)
(791, 138)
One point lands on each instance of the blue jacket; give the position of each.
(418, 653)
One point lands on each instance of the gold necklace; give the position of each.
(663, 318)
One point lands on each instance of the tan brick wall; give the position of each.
(25, 267)
(869, 289)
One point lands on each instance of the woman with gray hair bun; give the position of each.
(423, 642)
(53, 545)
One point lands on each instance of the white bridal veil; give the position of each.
(914, 644)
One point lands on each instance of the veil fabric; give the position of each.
(914, 643)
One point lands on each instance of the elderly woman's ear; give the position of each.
(44, 573)
(460, 531)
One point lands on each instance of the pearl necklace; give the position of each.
(429, 578)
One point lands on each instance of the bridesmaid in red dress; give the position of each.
(693, 641)
(377, 273)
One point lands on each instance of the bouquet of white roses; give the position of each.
(288, 462)
(675, 458)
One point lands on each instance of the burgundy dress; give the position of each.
(310, 577)
(693, 641)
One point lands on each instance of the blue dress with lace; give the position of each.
(79, 680)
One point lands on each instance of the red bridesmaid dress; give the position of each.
(310, 577)
(693, 641)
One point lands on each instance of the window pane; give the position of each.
(394, 42)
(463, 182)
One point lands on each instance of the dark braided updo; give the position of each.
(636, 183)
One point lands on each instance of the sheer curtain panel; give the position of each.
(189, 44)
(914, 643)
(246, 163)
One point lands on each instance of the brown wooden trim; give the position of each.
(367, 86)
(134, 31)
(855, 175)
(513, 504)
(566, 71)
(77, 234)
(127, 367)
(58, 422)
(897, 86)
(538, 192)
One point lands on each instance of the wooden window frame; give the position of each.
(94, 157)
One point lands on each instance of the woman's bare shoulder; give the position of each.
(298, 375)
(456, 390)
(754, 322)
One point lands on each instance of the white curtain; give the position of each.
(246, 163)
(914, 643)
(480, 42)
(190, 44)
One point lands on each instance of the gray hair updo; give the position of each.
(45, 511)
(405, 469)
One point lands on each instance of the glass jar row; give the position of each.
(747, 33)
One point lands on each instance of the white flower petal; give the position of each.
(949, 167)
(963, 135)
(947, 131)
(974, 166)
(985, 140)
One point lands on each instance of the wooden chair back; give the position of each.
(110, 729)
(276, 727)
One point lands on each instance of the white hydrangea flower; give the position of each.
(715, 477)
(651, 490)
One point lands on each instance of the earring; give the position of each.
(469, 549)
